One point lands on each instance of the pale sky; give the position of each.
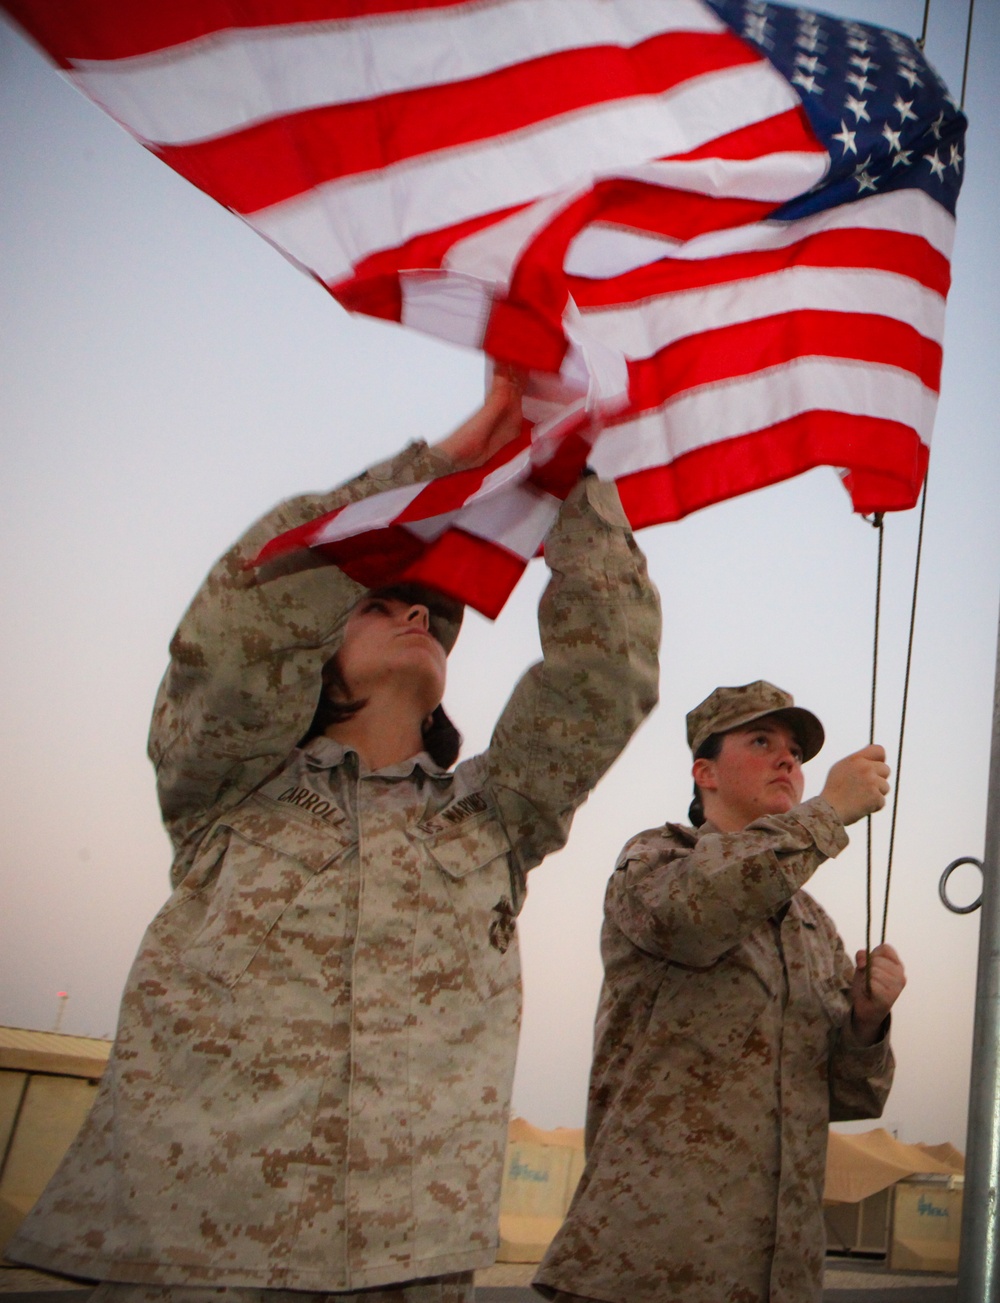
(166, 377)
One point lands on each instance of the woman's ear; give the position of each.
(703, 773)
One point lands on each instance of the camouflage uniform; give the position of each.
(310, 1085)
(723, 1048)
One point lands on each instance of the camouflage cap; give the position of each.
(445, 612)
(729, 708)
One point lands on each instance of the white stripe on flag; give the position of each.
(370, 513)
(729, 409)
(771, 178)
(448, 306)
(382, 210)
(231, 79)
(493, 251)
(518, 520)
(642, 330)
(604, 251)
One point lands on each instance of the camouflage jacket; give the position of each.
(310, 1083)
(723, 1049)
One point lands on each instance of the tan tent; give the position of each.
(861, 1165)
(47, 1085)
(947, 1154)
(540, 1174)
(904, 1201)
(542, 1169)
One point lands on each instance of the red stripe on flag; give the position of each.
(372, 556)
(674, 214)
(517, 333)
(463, 566)
(880, 452)
(450, 492)
(871, 492)
(749, 346)
(120, 29)
(272, 161)
(374, 288)
(789, 131)
(470, 569)
(682, 214)
(858, 247)
(292, 540)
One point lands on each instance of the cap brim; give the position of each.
(445, 612)
(803, 724)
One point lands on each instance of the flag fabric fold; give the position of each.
(715, 233)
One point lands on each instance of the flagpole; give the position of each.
(979, 1263)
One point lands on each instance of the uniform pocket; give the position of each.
(473, 860)
(834, 999)
(251, 868)
(714, 1010)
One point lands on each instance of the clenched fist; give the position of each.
(858, 784)
(870, 1008)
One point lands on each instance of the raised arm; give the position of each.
(573, 712)
(243, 679)
(690, 898)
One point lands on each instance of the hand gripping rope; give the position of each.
(877, 522)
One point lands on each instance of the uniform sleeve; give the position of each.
(572, 713)
(689, 901)
(860, 1076)
(245, 662)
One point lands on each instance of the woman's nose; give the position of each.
(418, 614)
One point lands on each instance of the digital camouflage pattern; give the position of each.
(457, 1288)
(310, 1084)
(729, 708)
(723, 1048)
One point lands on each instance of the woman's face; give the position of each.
(387, 640)
(758, 771)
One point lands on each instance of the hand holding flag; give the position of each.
(715, 232)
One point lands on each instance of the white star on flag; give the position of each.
(937, 166)
(755, 27)
(807, 83)
(860, 82)
(864, 178)
(623, 198)
(846, 138)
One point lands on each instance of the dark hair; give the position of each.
(709, 750)
(442, 740)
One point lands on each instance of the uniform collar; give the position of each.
(324, 753)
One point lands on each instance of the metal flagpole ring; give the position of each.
(943, 886)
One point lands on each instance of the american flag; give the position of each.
(715, 232)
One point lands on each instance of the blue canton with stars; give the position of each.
(879, 109)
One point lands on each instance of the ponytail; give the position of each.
(708, 750)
